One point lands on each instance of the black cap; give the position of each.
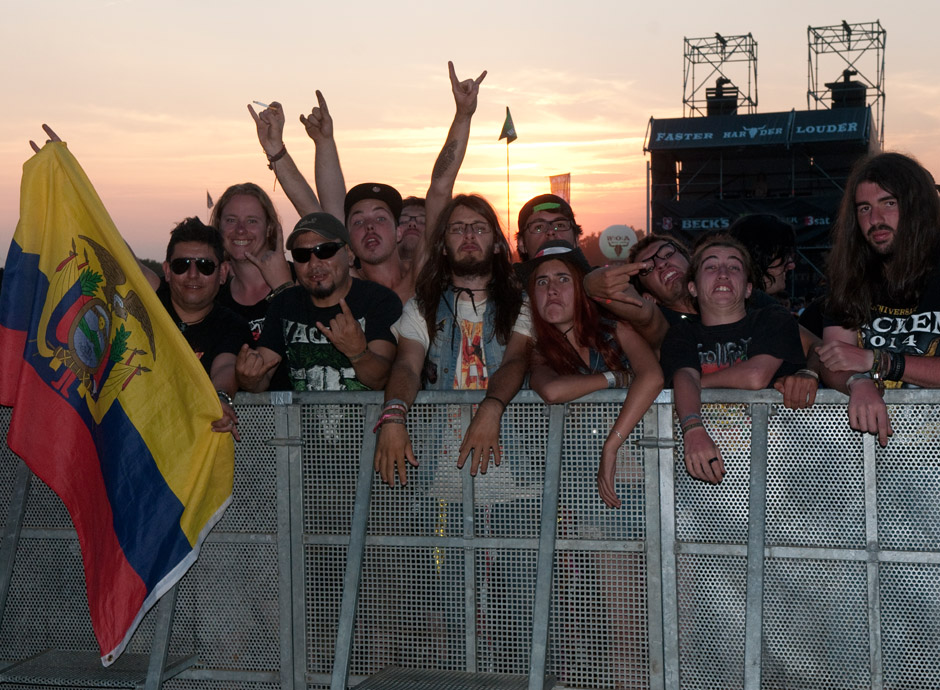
(374, 190)
(544, 202)
(553, 249)
(323, 224)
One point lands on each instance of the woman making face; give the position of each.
(578, 351)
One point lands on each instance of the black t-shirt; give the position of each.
(253, 313)
(313, 363)
(768, 331)
(222, 330)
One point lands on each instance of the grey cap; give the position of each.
(321, 223)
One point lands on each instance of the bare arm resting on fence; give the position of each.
(702, 456)
(393, 451)
(646, 385)
(482, 438)
(842, 359)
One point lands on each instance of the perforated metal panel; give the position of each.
(716, 514)
(909, 480)
(815, 625)
(910, 624)
(847, 592)
(815, 480)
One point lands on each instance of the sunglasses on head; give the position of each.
(181, 265)
(323, 251)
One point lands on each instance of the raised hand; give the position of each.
(344, 332)
(465, 92)
(319, 124)
(270, 126)
(52, 137)
(272, 263)
(252, 370)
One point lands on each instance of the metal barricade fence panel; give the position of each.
(8, 464)
(908, 473)
(716, 514)
(815, 480)
(599, 630)
(332, 437)
(849, 587)
(254, 494)
(815, 625)
(711, 567)
(910, 619)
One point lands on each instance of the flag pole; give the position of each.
(508, 212)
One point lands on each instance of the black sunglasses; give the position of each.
(324, 251)
(181, 265)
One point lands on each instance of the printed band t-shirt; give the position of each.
(768, 331)
(471, 372)
(313, 362)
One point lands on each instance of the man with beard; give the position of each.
(333, 329)
(884, 288)
(462, 330)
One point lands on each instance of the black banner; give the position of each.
(776, 129)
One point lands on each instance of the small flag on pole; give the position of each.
(561, 186)
(509, 129)
(209, 203)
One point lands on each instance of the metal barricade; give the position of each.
(813, 565)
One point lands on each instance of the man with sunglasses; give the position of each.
(333, 329)
(193, 273)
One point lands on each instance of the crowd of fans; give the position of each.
(394, 294)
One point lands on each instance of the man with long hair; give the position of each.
(884, 288)
(460, 331)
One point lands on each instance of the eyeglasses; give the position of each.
(417, 220)
(479, 227)
(539, 226)
(181, 265)
(664, 253)
(323, 251)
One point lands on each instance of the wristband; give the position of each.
(356, 358)
(896, 370)
(279, 289)
(276, 157)
(807, 372)
(694, 425)
(397, 402)
(611, 379)
(690, 417)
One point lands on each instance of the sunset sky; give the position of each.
(151, 96)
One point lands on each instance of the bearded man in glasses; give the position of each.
(193, 272)
(333, 329)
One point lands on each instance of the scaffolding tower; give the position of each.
(720, 75)
(852, 56)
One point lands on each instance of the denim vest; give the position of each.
(444, 352)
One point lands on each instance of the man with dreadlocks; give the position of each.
(462, 324)
(884, 288)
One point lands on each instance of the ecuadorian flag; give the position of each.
(111, 408)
